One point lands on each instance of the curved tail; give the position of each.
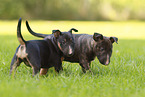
(34, 33)
(73, 30)
(19, 35)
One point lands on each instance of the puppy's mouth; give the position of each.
(70, 54)
(106, 63)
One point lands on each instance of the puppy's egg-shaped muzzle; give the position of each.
(105, 61)
(70, 51)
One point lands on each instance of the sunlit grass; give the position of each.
(124, 77)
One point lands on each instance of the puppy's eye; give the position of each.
(101, 49)
(63, 42)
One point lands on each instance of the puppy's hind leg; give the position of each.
(14, 64)
(35, 65)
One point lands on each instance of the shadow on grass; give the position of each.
(74, 69)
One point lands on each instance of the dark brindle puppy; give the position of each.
(87, 47)
(43, 53)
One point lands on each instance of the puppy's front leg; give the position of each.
(85, 65)
(43, 71)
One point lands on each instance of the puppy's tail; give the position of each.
(19, 35)
(34, 33)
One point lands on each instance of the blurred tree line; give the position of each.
(73, 9)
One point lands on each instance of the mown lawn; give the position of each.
(124, 77)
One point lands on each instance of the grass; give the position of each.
(124, 77)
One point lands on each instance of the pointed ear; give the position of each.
(114, 39)
(56, 33)
(97, 36)
(73, 30)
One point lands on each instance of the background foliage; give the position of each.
(73, 9)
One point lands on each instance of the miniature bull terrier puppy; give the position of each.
(42, 53)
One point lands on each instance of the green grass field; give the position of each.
(124, 77)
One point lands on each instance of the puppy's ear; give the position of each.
(73, 30)
(97, 36)
(56, 33)
(114, 39)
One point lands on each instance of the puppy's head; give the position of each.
(65, 41)
(103, 47)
